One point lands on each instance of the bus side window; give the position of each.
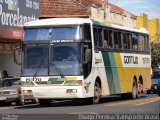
(126, 41)
(100, 34)
(146, 44)
(120, 40)
(106, 41)
(110, 39)
(98, 37)
(141, 43)
(116, 46)
(95, 34)
(134, 42)
(87, 32)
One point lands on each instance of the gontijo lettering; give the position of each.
(130, 60)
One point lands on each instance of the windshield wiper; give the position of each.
(57, 69)
(39, 67)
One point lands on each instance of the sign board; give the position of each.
(13, 15)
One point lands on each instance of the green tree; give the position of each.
(155, 52)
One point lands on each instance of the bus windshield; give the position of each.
(52, 33)
(57, 59)
(67, 58)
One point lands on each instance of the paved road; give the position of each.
(149, 104)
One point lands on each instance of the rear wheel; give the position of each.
(139, 89)
(133, 94)
(45, 102)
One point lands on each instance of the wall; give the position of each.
(119, 16)
(97, 13)
(7, 63)
(113, 17)
(153, 26)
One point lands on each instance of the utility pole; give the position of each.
(105, 6)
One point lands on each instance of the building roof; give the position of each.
(62, 8)
(67, 8)
(119, 10)
(73, 8)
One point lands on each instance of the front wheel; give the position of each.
(97, 95)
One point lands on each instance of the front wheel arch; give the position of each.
(97, 91)
(97, 86)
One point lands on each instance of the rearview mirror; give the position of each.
(87, 54)
(17, 56)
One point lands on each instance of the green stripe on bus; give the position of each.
(111, 72)
(108, 69)
(115, 73)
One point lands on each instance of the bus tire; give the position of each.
(133, 94)
(45, 102)
(139, 89)
(97, 93)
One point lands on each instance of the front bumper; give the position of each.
(56, 92)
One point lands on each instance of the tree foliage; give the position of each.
(155, 52)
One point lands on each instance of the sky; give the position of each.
(150, 7)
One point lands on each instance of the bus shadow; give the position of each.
(71, 103)
(118, 98)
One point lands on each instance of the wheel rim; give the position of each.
(140, 89)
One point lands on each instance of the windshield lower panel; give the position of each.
(52, 60)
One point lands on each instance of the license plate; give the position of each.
(28, 96)
(2, 98)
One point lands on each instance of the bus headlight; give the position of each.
(27, 91)
(73, 82)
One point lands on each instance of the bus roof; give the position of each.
(78, 21)
(58, 21)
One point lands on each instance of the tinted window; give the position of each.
(126, 41)
(98, 37)
(106, 40)
(134, 42)
(95, 34)
(52, 33)
(141, 43)
(116, 46)
(147, 48)
(35, 59)
(156, 75)
(120, 39)
(110, 39)
(87, 32)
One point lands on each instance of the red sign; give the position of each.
(10, 33)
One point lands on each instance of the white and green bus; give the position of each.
(75, 58)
